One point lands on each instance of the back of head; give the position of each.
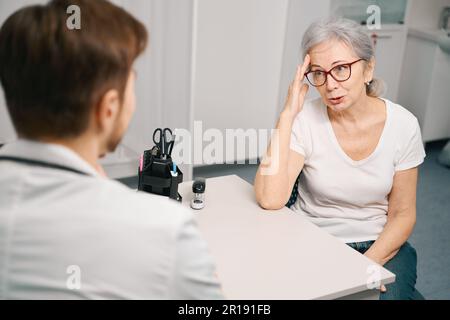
(349, 32)
(53, 75)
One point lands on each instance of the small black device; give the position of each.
(157, 172)
(198, 188)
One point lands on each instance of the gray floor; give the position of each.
(431, 237)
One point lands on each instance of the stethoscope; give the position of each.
(43, 164)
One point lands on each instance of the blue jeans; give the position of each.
(403, 265)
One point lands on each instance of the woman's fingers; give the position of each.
(289, 96)
(302, 94)
(303, 87)
(297, 89)
(298, 79)
(383, 288)
(300, 74)
(305, 65)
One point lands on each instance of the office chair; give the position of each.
(294, 194)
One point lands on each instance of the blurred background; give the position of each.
(228, 64)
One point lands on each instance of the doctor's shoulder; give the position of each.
(144, 207)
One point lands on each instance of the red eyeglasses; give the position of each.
(340, 73)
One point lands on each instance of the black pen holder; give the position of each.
(156, 176)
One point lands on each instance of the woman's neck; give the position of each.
(356, 113)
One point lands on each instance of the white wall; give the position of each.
(163, 86)
(239, 46)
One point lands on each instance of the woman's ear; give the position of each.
(107, 111)
(368, 72)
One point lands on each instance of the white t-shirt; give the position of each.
(347, 198)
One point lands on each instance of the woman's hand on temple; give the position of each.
(297, 91)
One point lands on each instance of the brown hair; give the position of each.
(52, 76)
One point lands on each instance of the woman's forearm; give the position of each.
(271, 181)
(272, 178)
(395, 233)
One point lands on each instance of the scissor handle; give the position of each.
(156, 139)
(163, 138)
(164, 134)
(167, 135)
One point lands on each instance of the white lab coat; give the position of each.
(68, 236)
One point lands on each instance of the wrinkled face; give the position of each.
(340, 95)
(125, 114)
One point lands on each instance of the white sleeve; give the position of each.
(194, 275)
(300, 136)
(411, 152)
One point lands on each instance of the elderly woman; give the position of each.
(358, 153)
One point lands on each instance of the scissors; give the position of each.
(163, 138)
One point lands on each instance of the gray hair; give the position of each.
(352, 34)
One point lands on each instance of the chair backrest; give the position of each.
(294, 194)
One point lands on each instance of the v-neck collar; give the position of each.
(341, 151)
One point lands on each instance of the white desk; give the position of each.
(263, 254)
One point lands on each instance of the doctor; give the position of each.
(65, 230)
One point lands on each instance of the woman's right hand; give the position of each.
(297, 91)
